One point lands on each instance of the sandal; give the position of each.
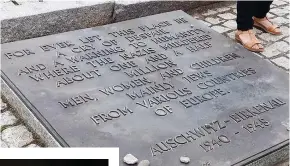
(272, 29)
(251, 43)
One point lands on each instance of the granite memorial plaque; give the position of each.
(158, 87)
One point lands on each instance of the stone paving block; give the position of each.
(275, 49)
(280, 11)
(235, 11)
(223, 9)
(32, 146)
(279, 3)
(231, 35)
(7, 118)
(268, 37)
(233, 6)
(3, 105)
(231, 24)
(269, 15)
(280, 20)
(17, 136)
(220, 29)
(282, 61)
(3, 144)
(206, 23)
(213, 20)
(209, 12)
(227, 16)
(287, 39)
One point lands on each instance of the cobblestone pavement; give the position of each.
(14, 133)
(222, 18)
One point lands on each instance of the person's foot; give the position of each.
(266, 25)
(249, 40)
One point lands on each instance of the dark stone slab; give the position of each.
(199, 95)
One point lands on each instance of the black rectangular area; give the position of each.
(158, 87)
(54, 162)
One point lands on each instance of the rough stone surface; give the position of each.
(282, 61)
(213, 20)
(286, 163)
(17, 136)
(134, 9)
(220, 29)
(130, 159)
(280, 20)
(227, 16)
(7, 118)
(279, 3)
(275, 49)
(235, 11)
(273, 38)
(3, 105)
(280, 11)
(203, 22)
(3, 144)
(222, 9)
(55, 22)
(144, 163)
(32, 146)
(184, 159)
(230, 24)
(209, 12)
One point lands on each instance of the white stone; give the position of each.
(220, 29)
(3, 144)
(282, 61)
(7, 118)
(269, 15)
(280, 20)
(227, 16)
(269, 37)
(203, 22)
(233, 6)
(32, 146)
(235, 11)
(209, 12)
(213, 20)
(230, 24)
(144, 163)
(184, 159)
(231, 35)
(130, 159)
(223, 9)
(280, 11)
(279, 3)
(286, 39)
(3, 105)
(275, 49)
(17, 136)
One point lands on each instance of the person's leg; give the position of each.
(262, 8)
(245, 35)
(245, 13)
(260, 19)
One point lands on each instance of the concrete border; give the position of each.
(48, 23)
